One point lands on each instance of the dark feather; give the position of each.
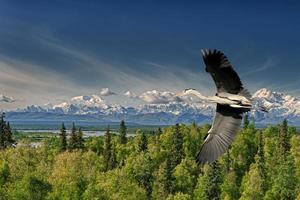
(226, 124)
(225, 78)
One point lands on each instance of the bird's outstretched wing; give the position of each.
(225, 78)
(226, 124)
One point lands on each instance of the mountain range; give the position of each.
(93, 108)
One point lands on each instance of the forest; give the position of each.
(160, 164)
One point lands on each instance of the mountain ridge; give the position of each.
(279, 105)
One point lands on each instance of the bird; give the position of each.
(232, 99)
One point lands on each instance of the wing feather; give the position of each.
(226, 124)
(224, 76)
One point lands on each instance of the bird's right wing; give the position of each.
(222, 72)
(226, 124)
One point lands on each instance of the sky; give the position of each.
(53, 50)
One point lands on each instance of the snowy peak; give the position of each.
(262, 93)
(273, 96)
(279, 105)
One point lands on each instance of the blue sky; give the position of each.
(53, 50)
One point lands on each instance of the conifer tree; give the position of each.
(80, 140)
(63, 138)
(123, 132)
(194, 124)
(209, 184)
(159, 131)
(2, 131)
(168, 177)
(227, 160)
(283, 139)
(212, 184)
(8, 134)
(177, 147)
(163, 185)
(246, 121)
(142, 142)
(261, 161)
(229, 187)
(73, 138)
(284, 184)
(254, 182)
(4, 174)
(113, 160)
(107, 152)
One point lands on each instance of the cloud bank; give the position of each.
(106, 92)
(130, 94)
(157, 97)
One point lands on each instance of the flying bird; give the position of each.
(232, 101)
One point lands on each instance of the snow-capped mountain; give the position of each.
(279, 105)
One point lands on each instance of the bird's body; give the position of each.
(232, 100)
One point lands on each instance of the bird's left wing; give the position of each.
(226, 124)
(222, 72)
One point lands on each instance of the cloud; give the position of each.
(6, 99)
(156, 97)
(266, 65)
(106, 92)
(130, 95)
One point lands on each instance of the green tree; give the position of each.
(107, 152)
(246, 121)
(31, 187)
(8, 135)
(123, 132)
(295, 152)
(73, 138)
(2, 131)
(159, 131)
(283, 139)
(284, 184)
(261, 162)
(140, 168)
(115, 185)
(243, 151)
(229, 187)
(63, 138)
(179, 196)
(80, 140)
(192, 141)
(142, 141)
(177, 147)
(163, 185)
(113, 160)
(254, 182)
(4, 174)
(209, 184)
(185, 176)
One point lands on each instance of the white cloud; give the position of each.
(6, 99)
(156, 97)
(130, 95)
(106, 92)
(262, 67)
